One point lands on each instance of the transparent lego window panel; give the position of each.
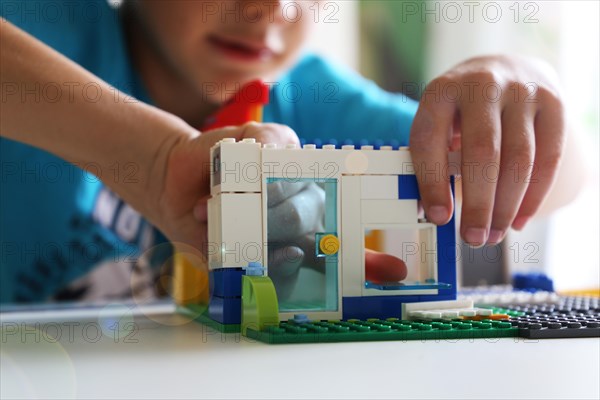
(299, 213)
(413, 244)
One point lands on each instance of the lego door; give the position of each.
(302, 244)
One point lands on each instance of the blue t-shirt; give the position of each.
(57, 221)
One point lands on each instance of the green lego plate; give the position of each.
(376, 330)
(199, 313)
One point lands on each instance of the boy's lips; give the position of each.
(241, 49)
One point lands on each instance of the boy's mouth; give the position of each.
(241, 49)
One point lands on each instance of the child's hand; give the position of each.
(183, 185)
(507, 116)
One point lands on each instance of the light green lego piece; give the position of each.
(259, 303)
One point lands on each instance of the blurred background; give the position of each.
(404, 44)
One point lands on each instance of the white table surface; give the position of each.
(169, 357)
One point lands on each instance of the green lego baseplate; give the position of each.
(199, 313)
(378, 330)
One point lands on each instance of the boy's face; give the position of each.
(216, 45)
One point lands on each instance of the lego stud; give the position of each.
(291, 146)
(270, 146)
(366, 147)
(348, 147)
(329, 244)
(310, 147)
(329, 147)
(403, 148)
(301, 319)
(228, 140)
(249, 140)
(386, 148)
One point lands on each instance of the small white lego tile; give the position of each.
(483, 312)
(467, 313)
(389, 211)
(416, 314)
(450, 314)
(380, 187)
(432, 314)
(436, 305)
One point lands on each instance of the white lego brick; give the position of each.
(451, 305)
(236, 167)
(332, 163)
(389, 211)
(484, 312)
(467, 313)
(241, 232)
(450, 314)
(379, 187)
(432, 314)
(352, 246)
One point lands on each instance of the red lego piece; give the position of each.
(245, 106)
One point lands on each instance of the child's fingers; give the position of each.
(518, 148)
(430, 138)
(381, 267)
(269, 133)
(481, 139)
(298, 215)
(549, 145)
(281, 190)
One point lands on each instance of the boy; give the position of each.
(187, 59)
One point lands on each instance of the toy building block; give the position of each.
(245, 106)
(190, 284)
(260, 308)
(572, 317)
(457, 309)
(509, 296)
(365, 191)
(378, 330)
(226, 282)
(190, 275)
(199, 313)
(226, 310)
(370, 187)
(408, 187)
(357, 175)
(533, 282)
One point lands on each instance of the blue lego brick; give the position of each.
(375, 306)
(533, 282)
(226, 310)
(226, 282)
(446, 254)
(408, 189)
